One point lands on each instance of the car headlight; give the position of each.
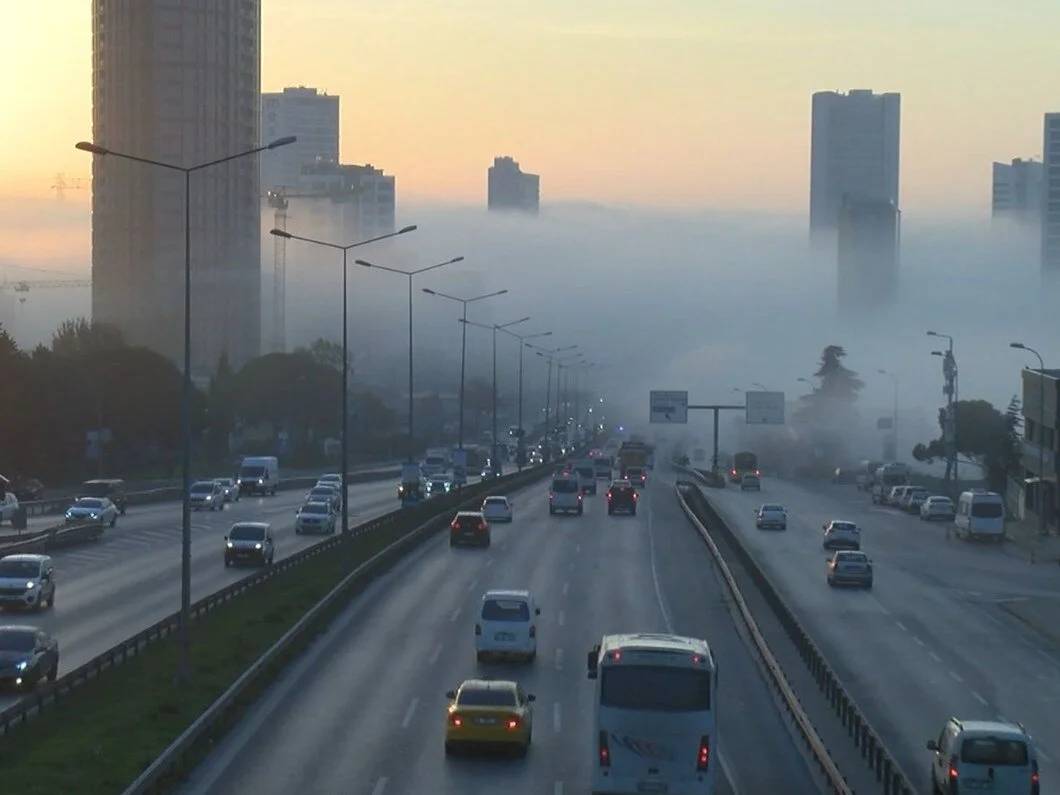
(22, 666)
(93, 516)
(230, 545)
(257, 546)
(30, 585)
(260, 481)
(209, 497)
(69, 514)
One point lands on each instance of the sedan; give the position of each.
(326, 494)
(489, 713)
(331, 479)
(497, 509)
(27, 655)
(849, 568)
(93, 509)
(937, 507)
(841, 535)
(315, 517)
(469, 527)
(207, 494)
(771, 516)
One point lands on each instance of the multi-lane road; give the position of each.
(932, 638)
(108, 590)
(363, 711)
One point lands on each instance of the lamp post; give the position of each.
(1041, 433)
(949, 369)
(550, 355)
(184, 664)
(495, 327)
(463, 347)
(520, 455)
(409, 275)
(894, 418)
(564, 363)
(345, 344)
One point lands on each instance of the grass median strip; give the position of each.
(101, 735)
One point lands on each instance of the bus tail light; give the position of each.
(703, 757)
(605, 752)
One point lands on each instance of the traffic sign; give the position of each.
(765, 408)
(668, 407)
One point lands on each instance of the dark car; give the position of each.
(249, 542)
(27, 655)
(112, 488)
(29, 490)
(622, 498)
(469, 527)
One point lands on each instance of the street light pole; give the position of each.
(344, 397)
(521, 448)
(950, 371)
(1041, 434)
(549, 354)
(184, 663)
(409, 275)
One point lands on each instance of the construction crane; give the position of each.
(23, 286)
(62, 185)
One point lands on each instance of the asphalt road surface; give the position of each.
(932, 638)
(363, 711)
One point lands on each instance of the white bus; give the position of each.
(655, 727)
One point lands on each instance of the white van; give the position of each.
(981, 514)
(507, 625)
(259, 475)
(565, 496)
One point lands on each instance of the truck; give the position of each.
(259, 475)
(744, 463)
(436, 461)
(632, 454)
(887, 477)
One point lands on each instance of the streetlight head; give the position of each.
(937, 353)
(455, 259)
(502, 292)
(365, 264)
(932, 334)
(86, 146)
(405, 229)
(287, 139)
(881, 372)
(429, 291)
(280, 233)
(1019, 345)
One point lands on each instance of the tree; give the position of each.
(8, 348)
(327, 353)
(81, 336)
(985, 435)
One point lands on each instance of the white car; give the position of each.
(207, 494)
(913, 498)
(328, 494)
(27, 581)
(497, 509)
(841, 535)
(750, 483)
(771, 516)
(937, 507)
(565, 496)
(849, 567)
(315, 517)
(992, 756)
(507, 625)
(331, 479)
(438, 484)
(97, 509)
(8, 507)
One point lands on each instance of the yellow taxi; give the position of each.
(489, 713)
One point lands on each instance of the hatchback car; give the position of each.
(315, 517)
(469, 527)
(489, 713)
(207, 494)
(849, 568)
(497, 509)
(622, 498)
(328, 494)
(937, 507)
(27, 655)
(750, 483)
(507, 625)
(913, 498)
(771, 515)
(439, 484)
(250, 542)
(984, 756)
(93, 509)
(841, 535)
(27, 581)
(229, 487)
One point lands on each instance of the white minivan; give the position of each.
(981, 514)
(565, 496)
(259, 475)
(507, 625)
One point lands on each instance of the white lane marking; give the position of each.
(979, 698)
(728, 773)
(409, 713)
(918, 640)
(556, 724)
(956, 676)
(577, 547)
(934, 657)
(885, 610)
(1044, 756)
(557, 788)
(380, 786)
(436, 654)
(902, 626)
(655, 575)
(561, 619)
(471, 585)
(559, 659)
(455, 615)
(489, 562)
(566, 588)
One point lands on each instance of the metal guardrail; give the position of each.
(50, 694)
(56, 537)
(866, 739)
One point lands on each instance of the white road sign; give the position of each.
(669, 407)
(765, 408)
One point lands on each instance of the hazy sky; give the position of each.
(701, 103)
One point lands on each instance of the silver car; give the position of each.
(849, 568)
(937, 507)
(93, 509)
(207, 494)
(328, 494)
(27, 581)
(229, 487)
(315, 517)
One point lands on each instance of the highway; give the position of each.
(363, 710)
(106, 591)
(932, 638)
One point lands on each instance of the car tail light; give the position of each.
(456, 721)
(609, 495)
(512, 723)
(454, 525)
(478, 629)
(953, 774)
(604, 751)
(635, 496)
(533, 631)
(579, 498)
(482, 525)
(1035, 778)
(551, 496)
(703, 757)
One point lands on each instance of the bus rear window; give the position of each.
(994, 751)
(655, 688)
(987, 510)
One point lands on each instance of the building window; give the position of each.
(1030, 429)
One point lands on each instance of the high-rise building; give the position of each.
(365, 193)
(1017, 191)
(511, 189)
(312, 116)
(854, 151)
(868, 240)
(177, 81)
(1051, 198)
